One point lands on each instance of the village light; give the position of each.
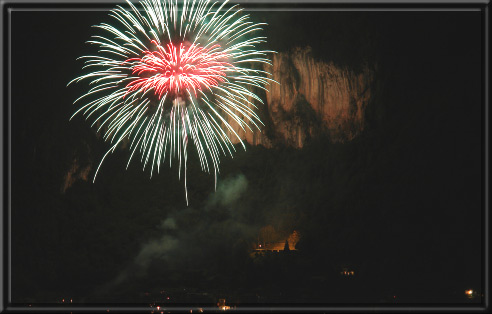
(470, 293)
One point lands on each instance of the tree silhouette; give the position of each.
(286, 246)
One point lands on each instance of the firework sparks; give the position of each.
(168, 73)
(177, 69)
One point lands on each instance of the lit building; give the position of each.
(222, 305)
(285, 244)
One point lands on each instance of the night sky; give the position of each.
(401, 203)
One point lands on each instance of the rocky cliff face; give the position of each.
(312, 98)
(75, 173)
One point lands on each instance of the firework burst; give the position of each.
(167, 73)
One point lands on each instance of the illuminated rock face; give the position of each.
(74, 173)
(312, 98)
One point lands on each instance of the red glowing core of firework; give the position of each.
(175, 69)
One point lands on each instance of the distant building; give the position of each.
(222, 305)
(347, 272)
(274, 246)
(263, 245)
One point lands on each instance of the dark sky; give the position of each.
(402, 202)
